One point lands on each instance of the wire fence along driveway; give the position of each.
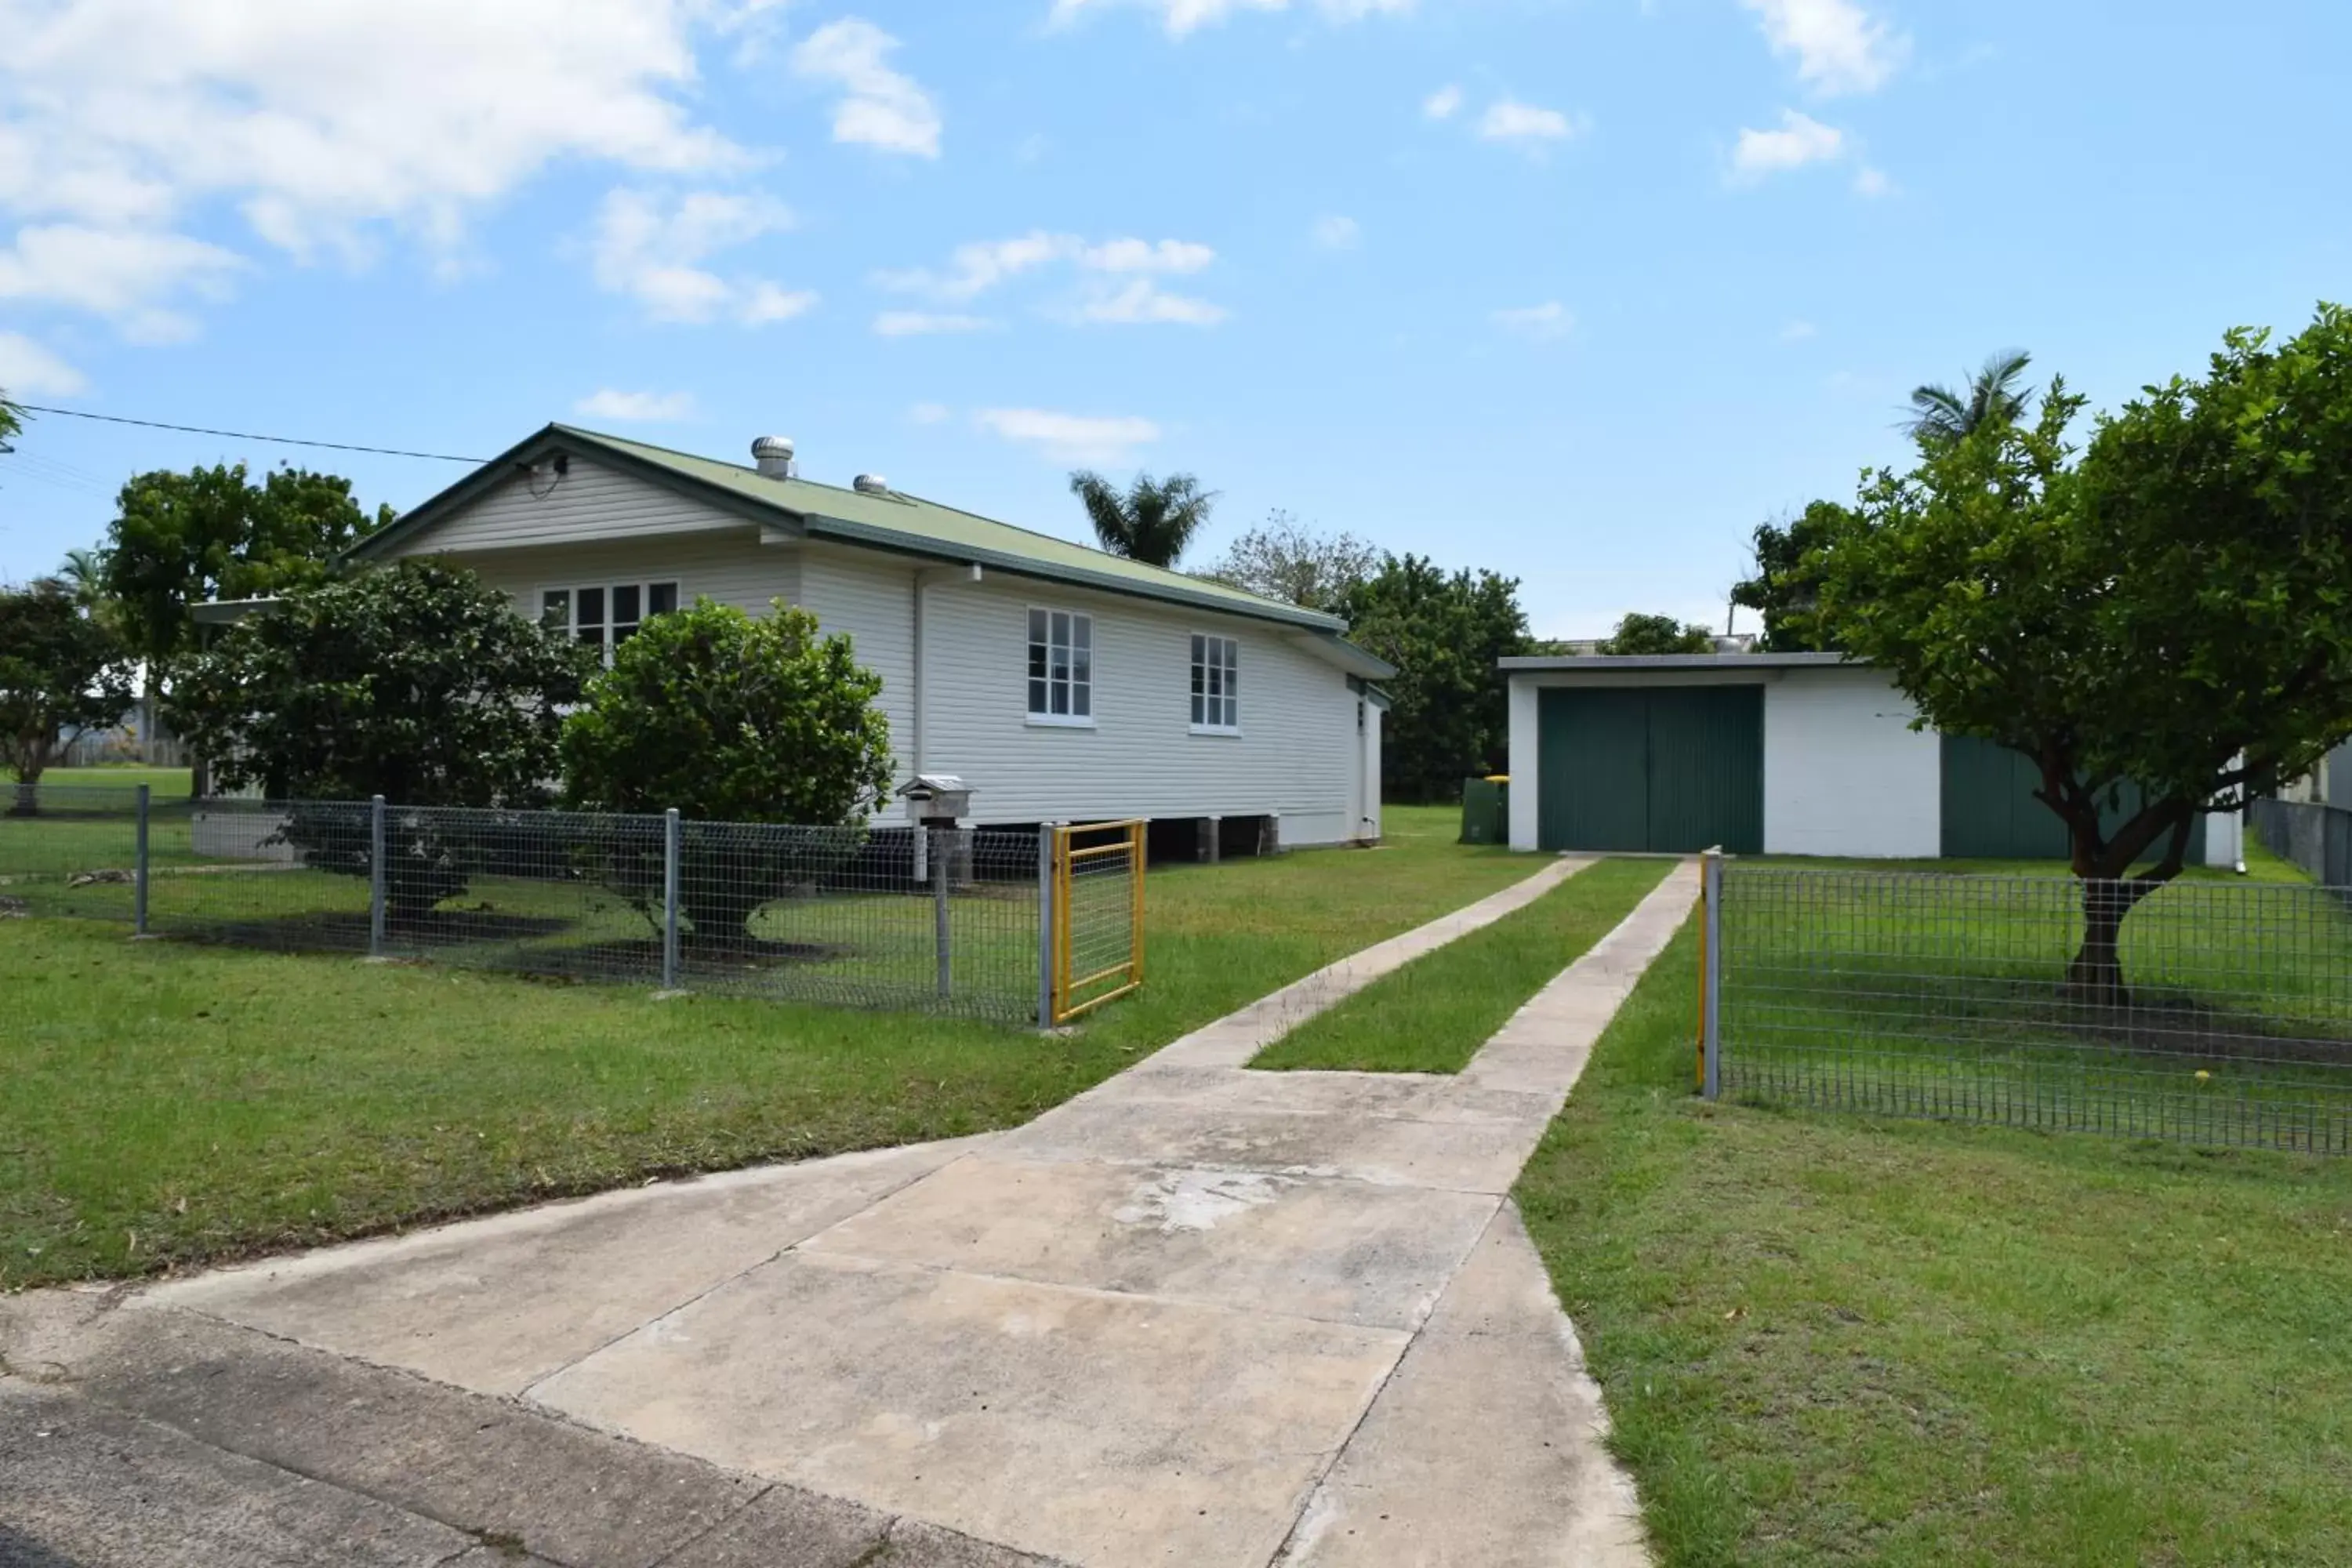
(954, 921)
(1964, 997)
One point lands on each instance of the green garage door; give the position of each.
(1670, 769)
(1990, 813)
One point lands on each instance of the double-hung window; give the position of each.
(604, 618)
(1060, 667)
(1216, 684)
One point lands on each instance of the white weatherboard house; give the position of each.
(1789, 754)
(1060, 682)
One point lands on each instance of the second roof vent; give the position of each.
(870, 485)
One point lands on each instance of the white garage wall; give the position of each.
(1844, 774)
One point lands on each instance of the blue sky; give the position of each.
(1580, 292)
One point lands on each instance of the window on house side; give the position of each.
(1061, 667)
(1216, 682)
(606, 617)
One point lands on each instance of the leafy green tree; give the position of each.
(732, 721)
(60, 673)
(1641, 634)
(415, 681)
(1284, 561)
(1153, 522)
(2169, 609)
(12, 423)
(1993, 395)
(1787, 587)
(1448, 718)
(179, 539)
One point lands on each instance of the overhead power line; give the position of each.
(248, 436)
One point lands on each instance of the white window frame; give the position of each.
(1077, 676)
(1212, 685)
(605, 643)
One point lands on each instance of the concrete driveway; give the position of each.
(1197, 1316)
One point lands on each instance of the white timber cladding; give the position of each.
(1294, 753)
(593, 501)
(1526, 748)
(731, 568)
(1844, 774)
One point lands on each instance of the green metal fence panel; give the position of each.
(1990, 812)
(1593, 790)
(1707, 769)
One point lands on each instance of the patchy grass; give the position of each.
(166, 784)
(1828, 1339)
(1433, 1015)
(165, 1103)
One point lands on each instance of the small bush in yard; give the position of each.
(414, 681)
(731, 721)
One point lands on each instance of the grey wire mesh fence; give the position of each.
(937, 919)
(68, 850)
(2226, 1019)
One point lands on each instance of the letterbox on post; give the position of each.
(937, 802)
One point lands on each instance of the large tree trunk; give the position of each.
(2096, 974)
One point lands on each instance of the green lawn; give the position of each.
(1826, 1339)
(168, 784)
(164, 1103)
(1433, 1015)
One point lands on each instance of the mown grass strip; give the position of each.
(1433, 1015)
(1828, 1339)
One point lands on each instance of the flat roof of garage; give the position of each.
(1686, 661)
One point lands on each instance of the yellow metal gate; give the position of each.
(1097, 915)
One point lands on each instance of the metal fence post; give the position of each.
(375, 876)
(669, 898)
(138, 874)
(1044, 925)
(1711, 1037)
(942, 852)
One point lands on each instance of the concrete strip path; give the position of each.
(1197, 1316)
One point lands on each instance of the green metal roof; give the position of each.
(891, 521)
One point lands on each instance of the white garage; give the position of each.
(1791, 753)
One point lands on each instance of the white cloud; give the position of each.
(322, 121)
(1798, 330)
(129, 275)
(980, 266)
(880, 107)
(1143, 301)
(1139, 256)
(1873, 183)
(929, 413)
(637, 408)
(1336, 232)
(29, 370)
(1508, 120)
(1537, 323)
(1071, 437)
(1800, 140)
(917, 324)
(1838, 47)
(1441, 104)
(651, 248)
(1181, 16)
